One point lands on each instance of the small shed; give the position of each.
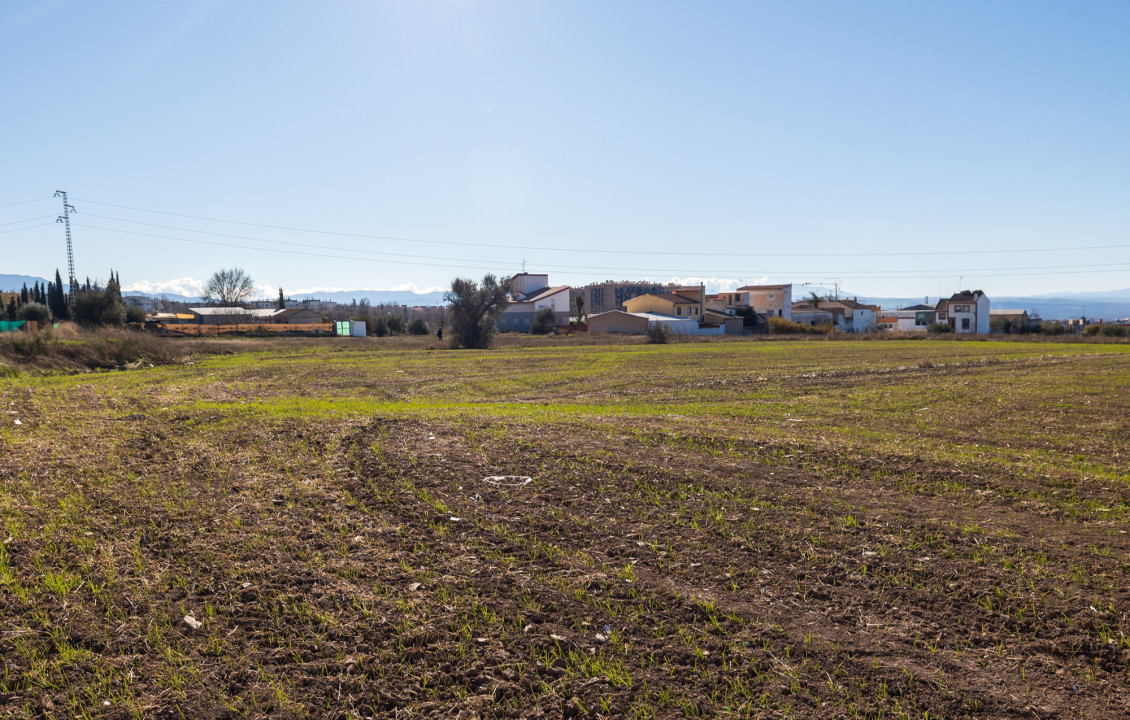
(351, 328)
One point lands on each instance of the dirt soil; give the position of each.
(464, 566)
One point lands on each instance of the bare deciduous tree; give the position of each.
(228, 287)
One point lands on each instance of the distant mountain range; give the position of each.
(13, 283)
(346, 297)
(1107, 305)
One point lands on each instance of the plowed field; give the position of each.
(806, 529)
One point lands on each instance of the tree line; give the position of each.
(93, 305)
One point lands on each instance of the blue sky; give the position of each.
(901, 148)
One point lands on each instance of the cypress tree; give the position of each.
(24, 295)
(61, 309)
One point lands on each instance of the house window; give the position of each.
(965, 323)
(772, 296)
(678, 311)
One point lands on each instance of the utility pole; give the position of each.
(65, 218)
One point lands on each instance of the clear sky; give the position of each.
(905, 148)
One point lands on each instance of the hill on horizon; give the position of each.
(14, 283)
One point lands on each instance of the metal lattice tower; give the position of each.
(65, 218)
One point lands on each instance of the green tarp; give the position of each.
(11, 325)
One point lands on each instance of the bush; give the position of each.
(750, 318)
(395, 323)
(781, 326)
(418, 327)
(34, 312)
(134, 314)
(96, 306)
(1051, 327)
(544, 321)
(378, 326)
(657, 333)
(938, 328)
(1107, 330)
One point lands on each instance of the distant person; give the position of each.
(439, 333)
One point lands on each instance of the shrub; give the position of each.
(544, 321)
(781, 326)
(1051, 327)
(418, 327)
(657, 333)
(378, 326)
(134, 314)
(1107, 330)
(97, 306)
(750, 317)
(35, 312)
(938, 328)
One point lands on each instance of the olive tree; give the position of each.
(474, 308)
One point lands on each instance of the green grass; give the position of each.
(754, 529)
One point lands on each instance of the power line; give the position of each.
(502, 246)
(462, 263)
(17, 222)
(29, 227)
(25, 202)
(488, 264)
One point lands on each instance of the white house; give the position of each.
(965, 312)
(530, 293)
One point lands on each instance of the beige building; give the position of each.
(616, 321)
(768, 300)
(611, 295)
(676, 305)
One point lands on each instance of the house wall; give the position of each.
(863, 320)
(681, 326)
(617, 322)
(663, 306)
(910, 325)
(811, 317)
(526, 283)
(522, 320)
(650, 303)
(959, 317)
(983, 318)
(776, 301)
(559, 301)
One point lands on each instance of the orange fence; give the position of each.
(250, 329)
